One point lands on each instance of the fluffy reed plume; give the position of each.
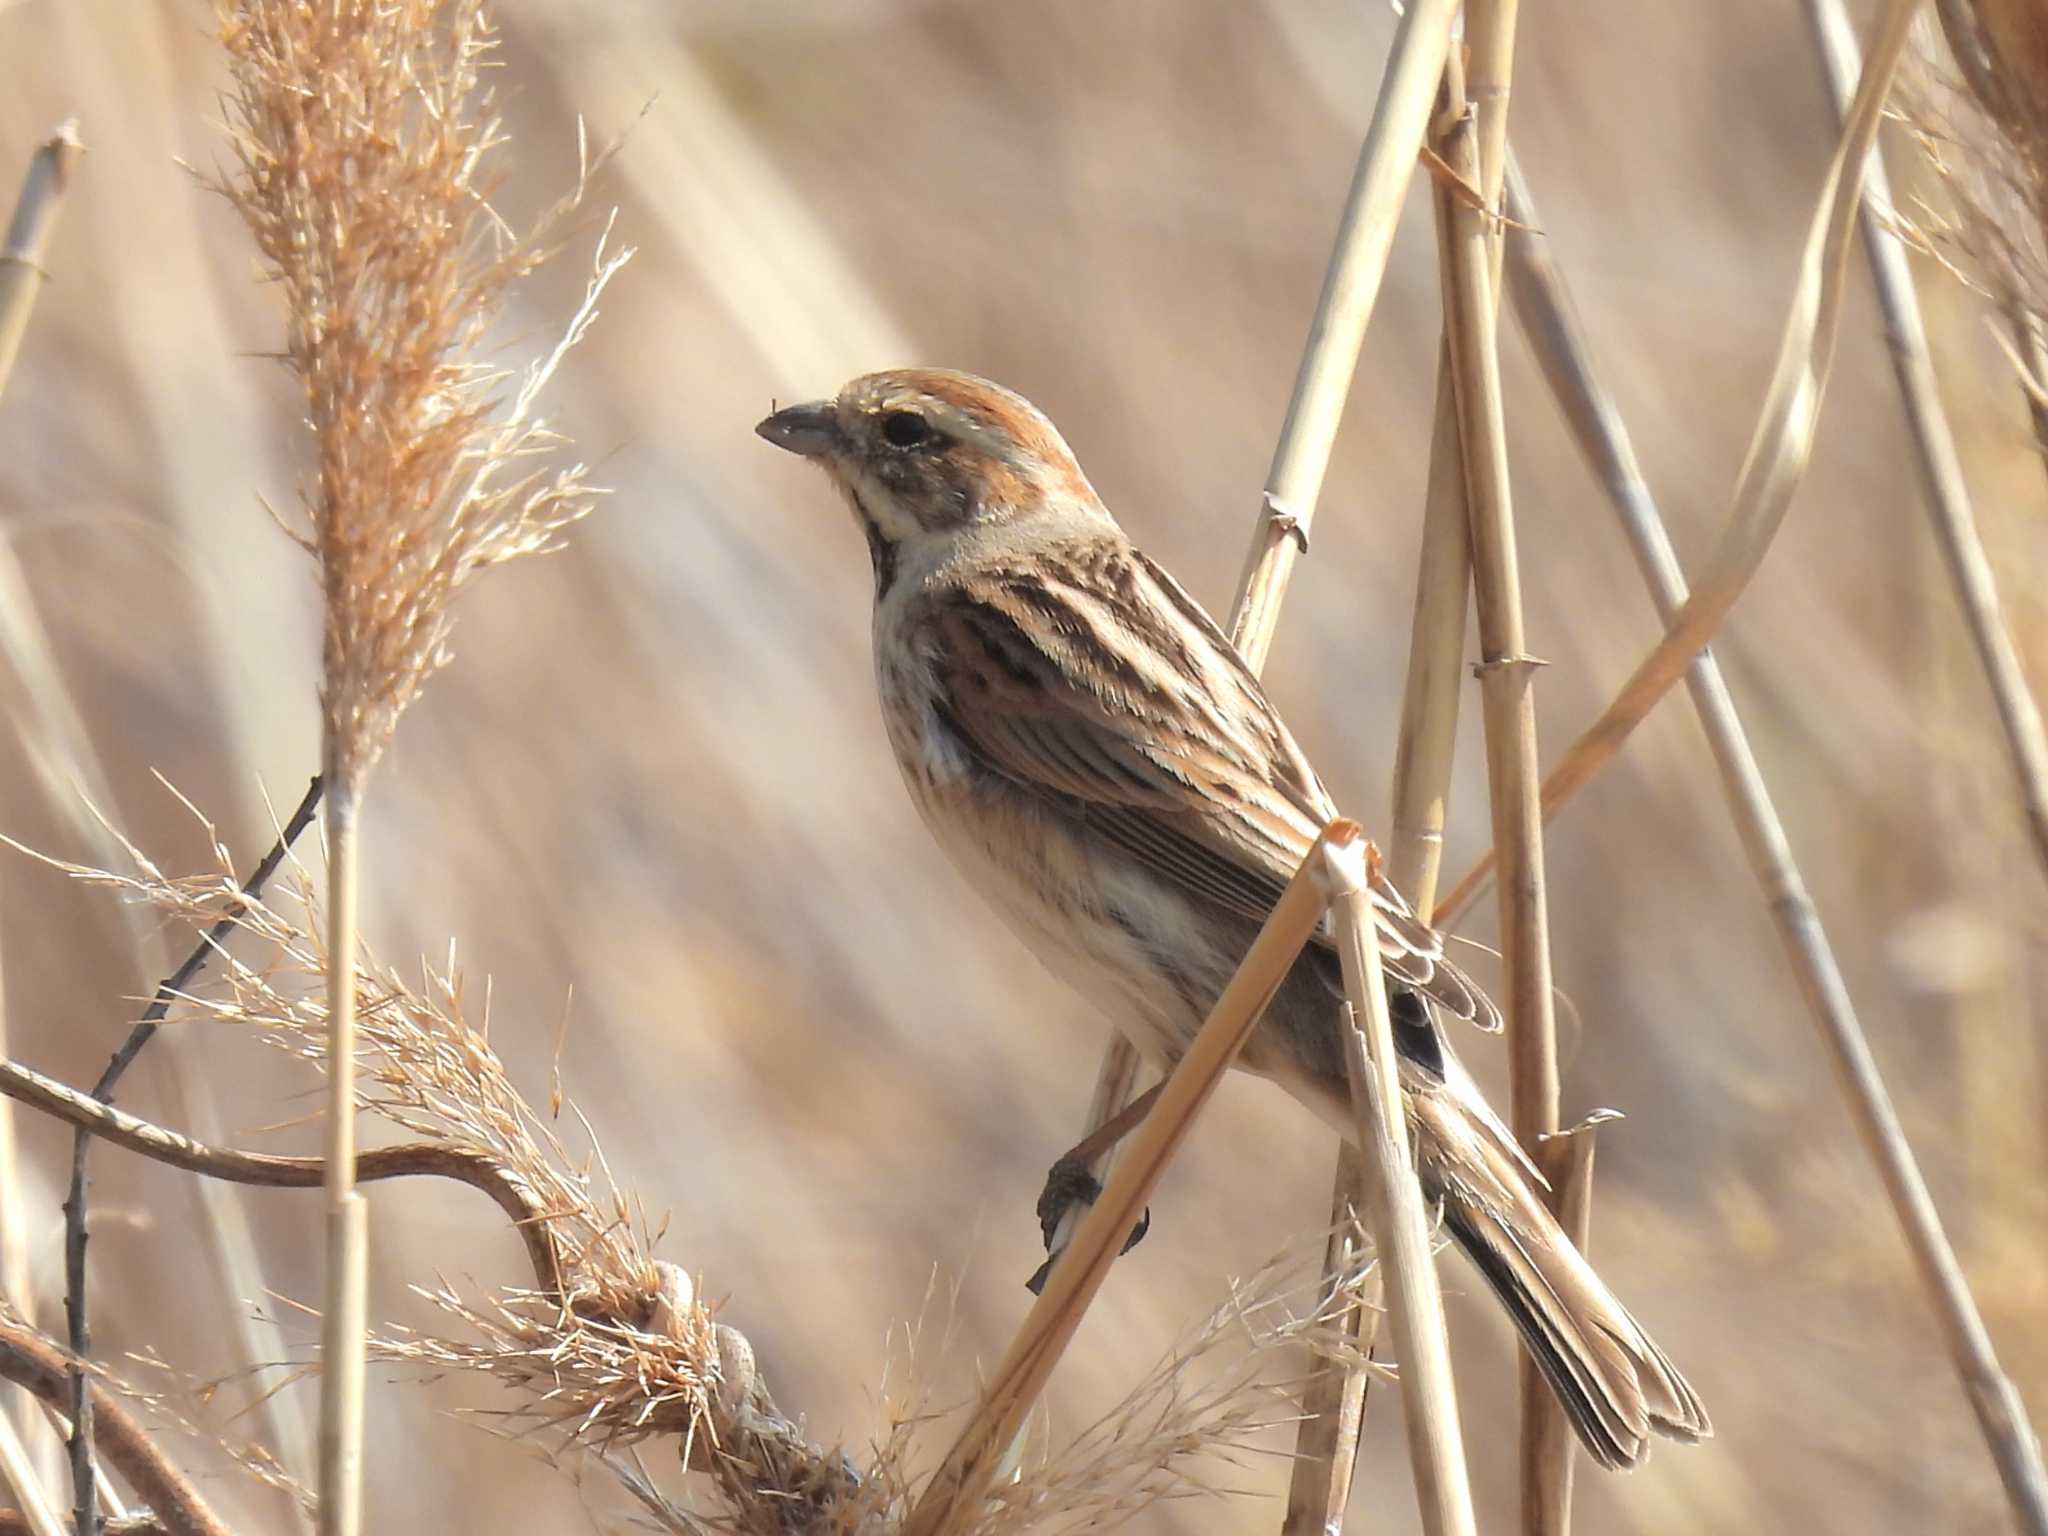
(363, 142)
(362, 134)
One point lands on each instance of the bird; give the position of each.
(1102, 766)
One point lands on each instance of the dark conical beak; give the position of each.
(810, 430)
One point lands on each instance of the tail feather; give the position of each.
(1616, 1386)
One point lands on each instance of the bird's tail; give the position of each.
(1617, 1387)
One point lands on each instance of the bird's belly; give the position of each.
(1130, 944)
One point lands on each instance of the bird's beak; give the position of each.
(810, 430)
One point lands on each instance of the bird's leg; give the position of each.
(1071, 1181)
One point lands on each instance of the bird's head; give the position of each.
(923, 454)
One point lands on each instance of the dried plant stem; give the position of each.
(32, 1361)
(2000, 1413)
(953, 1497)
(1548, 1446)
(1507, 672)
(94, 1117)
(1778, 453)
(344, 1322)
(1386, 161)
(28, 236)
(1333, 1397)
(1425, 750)
(1393, 1200)
(1334, 1400)
(22, 271)
(37, 1514)
(1934, 447)
(1547, 319)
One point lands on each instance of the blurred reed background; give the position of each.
(655, 774)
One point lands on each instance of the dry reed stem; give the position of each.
(1333, 1397)
(1400, 1231)
(37, 1514)
(1326, 1446)
(1934, 448)
(1545, 311)
(59, 749)
(2014, 1447)
(22, 271)
(1507, 672)
(32, 1361)
(952, 1500)
(1365, 234)
(1778, 452)
(344, 1312)
(1548, 1445)
(1426, 748)
(28, 236)
(21, 275)
(1328, 1440)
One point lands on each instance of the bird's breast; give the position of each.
(1129, 942)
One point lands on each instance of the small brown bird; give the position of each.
(1101, 765)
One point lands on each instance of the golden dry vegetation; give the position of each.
(654, 777)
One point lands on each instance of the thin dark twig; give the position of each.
(77, 1322)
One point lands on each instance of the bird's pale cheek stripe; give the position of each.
(881, 552)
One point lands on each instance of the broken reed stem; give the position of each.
(1351, 283)
(952, 1499)
(344, 1322)
(1544, 308)
(1778, 453)
(32, 1361)
(28, 236)
(1401, 1239)
(1934, 447)
(22, 271)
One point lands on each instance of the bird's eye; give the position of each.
(905, 429)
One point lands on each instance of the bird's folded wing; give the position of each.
(1138, 717)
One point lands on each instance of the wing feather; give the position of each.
(1107, 687)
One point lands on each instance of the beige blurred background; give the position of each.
(655, 775)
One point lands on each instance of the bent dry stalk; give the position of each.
(953, 1497)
